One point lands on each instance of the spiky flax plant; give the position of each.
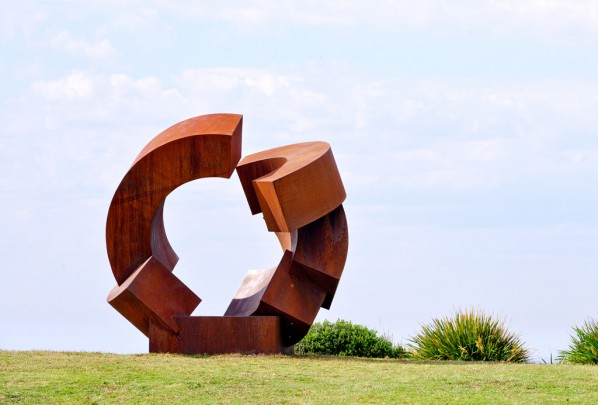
(584, 344)
(468, 335)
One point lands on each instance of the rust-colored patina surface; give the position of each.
(298, 190)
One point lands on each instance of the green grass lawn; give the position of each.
(57, 377)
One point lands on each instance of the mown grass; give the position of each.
(57, 377)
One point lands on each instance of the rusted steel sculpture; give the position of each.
(298, 190)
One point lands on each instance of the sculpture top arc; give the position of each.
(300, 193)
(204, 146)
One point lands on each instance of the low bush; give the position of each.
(584, 345)
(342, 338)
(468, 335)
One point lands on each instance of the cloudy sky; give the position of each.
(466, 134)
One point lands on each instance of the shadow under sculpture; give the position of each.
(298, 190)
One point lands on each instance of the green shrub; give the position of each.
(584, 345)
(342, 338)
(469, 335)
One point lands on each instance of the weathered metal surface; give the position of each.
(205, 146)
(152, 294)
(298, 189)
(292, 185)
(305, 280)
(219, 334)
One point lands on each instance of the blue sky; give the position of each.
(466, 134)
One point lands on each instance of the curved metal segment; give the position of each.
(321, 252)
(210, 124)
(160, 246)
(206, 146)
(292, 185)
(305, 279)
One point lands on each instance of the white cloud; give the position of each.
(67, 42)
(407, 133)
(231, 79)
(133, 19)
(147, 86)
(20, 19)
(280, 101)
(574, 23)
(472, 135)
(556, 21)
(76, 86)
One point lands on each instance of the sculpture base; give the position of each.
(219, 335)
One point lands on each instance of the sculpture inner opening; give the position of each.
(198, 217)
